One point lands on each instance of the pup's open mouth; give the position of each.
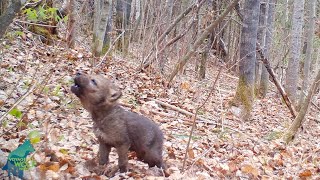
(76, 89)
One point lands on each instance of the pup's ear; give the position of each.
(115, 94)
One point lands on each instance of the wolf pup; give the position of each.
(116, 127)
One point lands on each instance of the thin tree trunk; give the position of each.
(138, 9)
(292, 75)
(100, 24)
(200, 40)
(71, 24)
(169, 7)
(123, 10)
(107, 39)
(289, 136)
(261, 39)
(307, 61)
(264, 81)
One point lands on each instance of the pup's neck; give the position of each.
(100, 113)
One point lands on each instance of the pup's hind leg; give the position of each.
(123, 157)
(154, 158)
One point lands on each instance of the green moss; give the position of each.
(105, 48)
(245, 94)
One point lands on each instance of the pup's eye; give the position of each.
(94, 82)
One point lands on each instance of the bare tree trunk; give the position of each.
(123, 10)
(71, 31)
(264, 81)
(261, 39)
(169, 7)
(138, 17)
(107, 39)
(289, 136)
(293, 66)
(7, 17)
(3, 6)
(317, 63)
(307, 61)
(100, 24)
(203, 60)
(245, 89)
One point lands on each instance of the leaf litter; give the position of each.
(222, 146)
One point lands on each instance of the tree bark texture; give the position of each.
(71, 24)
(289, 136)
(261, 38)
(100, 23)
(264, 80)
(138, 17)
(107, 39)
(307, 61)
(3, 6)
(245, 89)
(7, 17)
(293, 65)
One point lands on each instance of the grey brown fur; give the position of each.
(116, 127)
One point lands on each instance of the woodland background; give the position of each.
(234, 85)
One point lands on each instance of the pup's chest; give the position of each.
(112, 134)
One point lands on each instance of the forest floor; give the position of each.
(222, 146)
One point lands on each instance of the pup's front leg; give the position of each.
(123, 157)
(104, 151)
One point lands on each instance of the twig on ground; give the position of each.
(18, 101)
(36, 24)
(181, 110)
(196, 113)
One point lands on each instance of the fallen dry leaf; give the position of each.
(305, 173)
(249, 169)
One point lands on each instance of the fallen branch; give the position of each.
(299, 119)
(276, 82)
(181, 110)
(36, 24)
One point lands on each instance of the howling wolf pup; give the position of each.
(116, 127)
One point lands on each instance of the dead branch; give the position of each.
(291, 132)
(276, 82)
(172, 41)
(175, 108)
(200, 40)
(169, 29)
(194, 117)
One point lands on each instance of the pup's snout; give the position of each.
(78, 73)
